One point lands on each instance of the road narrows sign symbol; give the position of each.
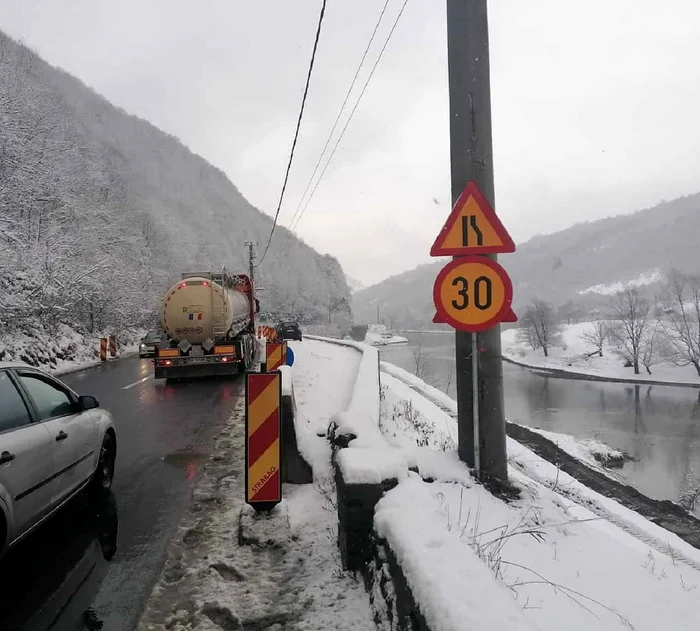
(472, 228)
(263, 430)
(472, 293)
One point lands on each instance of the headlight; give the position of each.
(143, 346)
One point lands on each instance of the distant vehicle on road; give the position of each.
(209, 324)
(53, 443)
(288, 330)
(147, 347)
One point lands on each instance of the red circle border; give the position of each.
(496, 319)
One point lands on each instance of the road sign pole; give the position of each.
(472, 159)
(475, 407)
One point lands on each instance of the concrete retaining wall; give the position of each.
(361, 550)
(295, 470)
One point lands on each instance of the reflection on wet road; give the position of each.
(164, 433)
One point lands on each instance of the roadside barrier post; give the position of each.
(263, 430)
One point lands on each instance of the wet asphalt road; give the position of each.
(68, 576)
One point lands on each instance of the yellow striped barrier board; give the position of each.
(263, 427)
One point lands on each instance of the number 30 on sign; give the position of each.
(473, 293)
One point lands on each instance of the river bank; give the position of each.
(564, 373)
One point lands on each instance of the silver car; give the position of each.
(53, 443)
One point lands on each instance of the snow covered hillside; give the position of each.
(576, 355)
(355, 285)
(100, 212)
(580, 265)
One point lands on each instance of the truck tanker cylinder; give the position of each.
(195, 309)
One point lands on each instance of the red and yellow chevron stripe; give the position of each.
(263, 435)
(275, 358)
(268, 332)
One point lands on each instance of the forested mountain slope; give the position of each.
(580, 266)
(100, 211)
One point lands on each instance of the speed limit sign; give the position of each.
(473, 293)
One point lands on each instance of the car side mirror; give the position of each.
(87, 403)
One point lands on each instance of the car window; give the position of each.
(153, 335)
(13, 412)
(49, 400)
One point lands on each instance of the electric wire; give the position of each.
(342, 133)
(340, 112)
(296, 133)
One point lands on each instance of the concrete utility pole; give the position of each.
(472, 159)
(251, 260)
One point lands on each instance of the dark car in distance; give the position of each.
(147, 347)
(289, 331)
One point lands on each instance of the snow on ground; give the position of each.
(324, 377)
(408, 419)
(646, 278)
(287, 572)
(379, 335)
(572, 356)
(565, 556)
(589, 450)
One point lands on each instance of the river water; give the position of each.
(658, 425)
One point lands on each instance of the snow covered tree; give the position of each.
(631, 314)
(539, 326)
(652, 341)
(680, 302)
(597, 334)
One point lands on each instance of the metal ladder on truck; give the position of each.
(218, 319)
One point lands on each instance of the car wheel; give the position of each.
(103, 476)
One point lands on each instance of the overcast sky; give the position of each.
(595, 105)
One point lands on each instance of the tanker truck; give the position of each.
(209, 324)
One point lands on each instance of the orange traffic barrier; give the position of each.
(112, 346)
(103, 349)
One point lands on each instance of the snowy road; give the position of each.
(164, 432)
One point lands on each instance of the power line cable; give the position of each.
(376, 63)
(296, 133)
(340, 112)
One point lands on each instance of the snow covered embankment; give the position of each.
(63, 351)
(561, 556)
(575, 357)
(405, 549)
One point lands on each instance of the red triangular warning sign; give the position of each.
(472, 228)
